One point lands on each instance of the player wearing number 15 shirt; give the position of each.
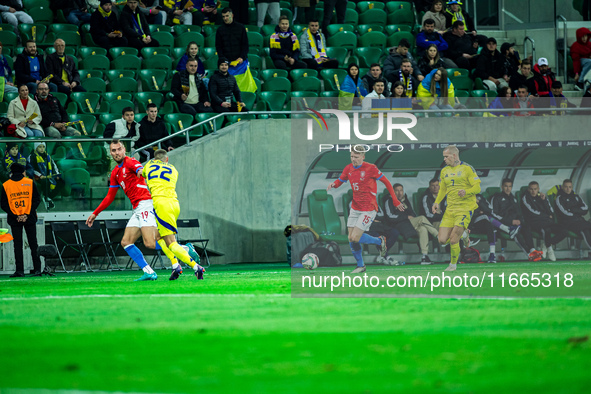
(363, 177)
(126, 176)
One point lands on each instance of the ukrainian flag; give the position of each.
(243, 76)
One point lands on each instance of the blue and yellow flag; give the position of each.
(243, 76)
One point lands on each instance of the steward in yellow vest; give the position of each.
(20, 199)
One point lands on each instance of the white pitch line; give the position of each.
(62, 391)
(139, 295)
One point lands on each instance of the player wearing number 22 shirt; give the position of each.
(363, 177)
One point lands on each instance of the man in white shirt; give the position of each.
(378, 93)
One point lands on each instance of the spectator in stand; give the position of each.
(375, 73)
(285, 47)
(12, 13)
(558, 100)
(329, 8)
(538, 212)
(427, 202)
(75, 11)
(6, 73)
(105, 29)
(304, 11)
(428, 36)
(177, 12)
(491, 67)
(126, 127)
(63, 69)
(393, 62)
(369, 103)
(53, 114)
(13, 155)
(240, 8)
(523, 76)
(153, 12)
(46, 173)
(29, 68)
(503, 100)
(401, 102)
(524, 102)
(264, 6)
(223, 90)
(135, 27)
(313, 48)
(544, 77)
(189, 90)
(209, 11)
(571, 211)
(430, 60)
(231, 39)
(93, 5)
(25, 114)
(404, 75)
(437, 14)
(436, 91)
(192, 53)
(511, 58)
(580, 51)
(455, 13)
(462, 48)
(152, 128)
(353, 85)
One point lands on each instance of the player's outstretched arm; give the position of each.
(395, 200)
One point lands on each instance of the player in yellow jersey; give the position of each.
(161, 178)
(461, 184)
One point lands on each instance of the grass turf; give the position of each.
(239, 331)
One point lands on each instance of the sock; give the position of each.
(137, 256)
(532, 250)
(368, 239)
(182, 254)
(455, 253)
(161, 245)
(357, 253)
(148, 270)
(492, 248)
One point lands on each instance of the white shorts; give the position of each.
(361, 219)
(143, 215)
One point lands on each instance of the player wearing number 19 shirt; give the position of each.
(363, 177)
(126, 176)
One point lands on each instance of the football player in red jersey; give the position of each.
(126, 175)
(363, 177)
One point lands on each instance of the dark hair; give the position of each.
(394, 86)
(404, 43)
(396, 185)
(523, 87)
(127, 109)
(437, 57)
(428, 22)
(189, 45)
(379, 80)
(283, 17)
(313, 20)
(507, 180)
(432, 181)
(28, 41)
(375, 65)
(350, 67)
(456, 24)
(533, 183)
(226, 10)
(151, 105)
(405, 60)
(525, 62)
(556, 85)
(567, 181)
(115, 141)
(503, 91)
(435, 2)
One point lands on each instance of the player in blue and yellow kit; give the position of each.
(161, 178)
(460, 183)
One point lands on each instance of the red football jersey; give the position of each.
(133, 185)
(363, 182)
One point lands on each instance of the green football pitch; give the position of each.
(240, 331)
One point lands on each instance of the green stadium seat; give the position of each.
(208, 127)
(456, 72)
(302, 72)
(273, 73)
(333, 29)
(7, 27)
(324, 218)
(184, 39)
(158, 62)
(124, 84)
(127, 62)
(338, 53)
(95, 62)
(303, 94)
(403, 16)
(395, 38)
(351, 17)
(41, 14)
(116, 106)
(8, 38)
(95, 85)
(277, 84)
(346, 202)
(62, 98)
(328, 77)
(373, 39)
(255, 62)
(268, 30)
(80, 99)
(84, 52)
(298, 29)
(210, 41)
(368, 56)
(178, 30)
(57, 27)
(114, 74)
(144, 98)
(72, 38)
(461, 93)
(28, 4)
(149, 52)
(89, 123)
(209, 30)
(90, 74)
(462, 82)
(211, 63)
(108, 118)
(363, 6)
(391, 29)
(68, 51)
(185, 120)
(362, 29)
(478, 84)
(253, 28)
(162, 28)
(374, 15)
(255, 40)
(483, 93)
(307, 83)
(114, 96)
(32, 31)
(154, 80)
(77, 180)
(343, 39)
(116, 52)
(248, 98)
(275, 101)
(165, 39)
(206, 53)
(393, 6)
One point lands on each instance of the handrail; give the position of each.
(533, 48)
(564, 20)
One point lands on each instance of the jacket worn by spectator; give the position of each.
(150, 132)
(55, 66)
(580, 50)
(490, 64)
(231, 41)
(439, 19)
(118, 129)
(52, 111)
(393, 62)
(504, 208)
(517, 79)
(570, 208)
(427, 202)
(22, 68)
(101, 26)
(399, 219)
(426, 67)
(457, 45)
(222, 86)
(484, 210)
(536, 210)
(284, 44)
(424, 40)
(543, 82)
(129, 23)
(181, 79)
(306, 45)
(368, 82)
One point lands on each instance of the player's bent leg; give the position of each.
(356, 250)
(149, 236)
(454, 240)
(444, 235)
